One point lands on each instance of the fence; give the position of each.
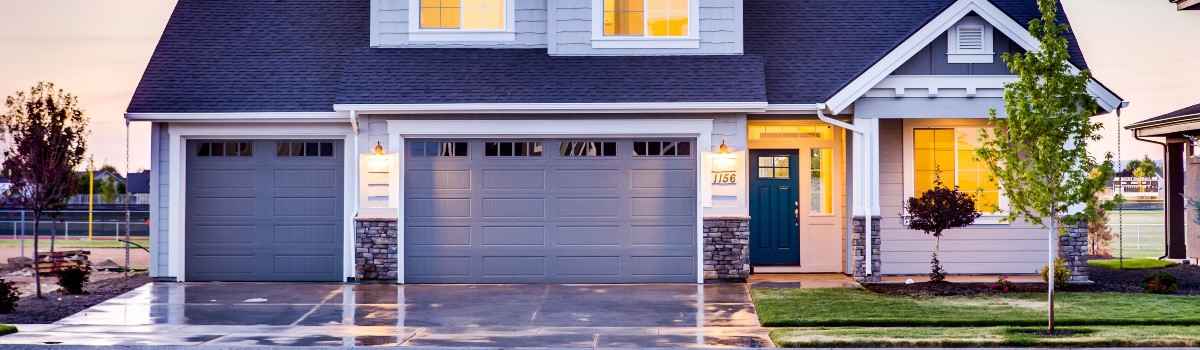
(16, 223)
(1143, 231)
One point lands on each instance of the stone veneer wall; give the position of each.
(858, 241)
(727, 248)
(1073, 247)
(375, 250)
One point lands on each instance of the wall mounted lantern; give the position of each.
(377, 162)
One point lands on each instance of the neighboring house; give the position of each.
(139, 187)
(1187, 4)
(1177, 133)
(576, 141)
(1135, 188)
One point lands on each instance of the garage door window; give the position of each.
(512, 149)
(225, 149)
(588, 149)
(662, 149)
(438, 149)
(304, 149)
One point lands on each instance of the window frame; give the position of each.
(416, 33)
(645, 41)
(995, 218)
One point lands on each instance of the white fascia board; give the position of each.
(310, 117)
(779, 108)
(549, 108)
(935, 28)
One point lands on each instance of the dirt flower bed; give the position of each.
(1131, 280)
(929, 289)
(55, 305)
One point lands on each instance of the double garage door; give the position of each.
(264, 210)
(476, 211)
(544, 210)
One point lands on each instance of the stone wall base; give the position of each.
(859, 242)
(727, 248)
(375, 250)
(1073, 247)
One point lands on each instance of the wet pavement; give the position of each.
(309, 314)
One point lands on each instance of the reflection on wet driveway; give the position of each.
(415, 315)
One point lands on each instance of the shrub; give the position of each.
(72, 280)
(8, 296)
(1061, 272)
(936, 210)
(1161, 283)
(1003, 285)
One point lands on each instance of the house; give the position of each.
(574, 141)
(1136, 188)
(1177, 133)
(1187, 4)
(138, 186)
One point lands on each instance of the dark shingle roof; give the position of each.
(306, 55)
(1186, 113)
(813, 48)
(419, 76)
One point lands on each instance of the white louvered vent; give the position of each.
(970, 38)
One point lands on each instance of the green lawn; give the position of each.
(857, 307)
(74, 243)
(1087, 336)
(7, 329)
(1130, 263)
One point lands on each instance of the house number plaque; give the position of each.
(724, 177)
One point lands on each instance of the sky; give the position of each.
(97, 49)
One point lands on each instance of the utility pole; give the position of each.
(91, 193)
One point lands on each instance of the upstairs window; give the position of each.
(970, 41)
(467, 15)
(653, 18)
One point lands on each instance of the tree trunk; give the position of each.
(1053, 254)
(37, 277)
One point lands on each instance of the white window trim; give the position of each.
(416, 33)
(691, 41)
(700, 129)
(956, 54)
(179, 134)
(909, 166)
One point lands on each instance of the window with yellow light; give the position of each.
(463, 14)
(655, 18)
(950, 154)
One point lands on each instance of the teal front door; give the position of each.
(774, 231)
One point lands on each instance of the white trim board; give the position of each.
(543, 108)
(701, 129)
(844, 98)
(179, 133)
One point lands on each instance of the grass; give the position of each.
(857, 307)
(1092, 336)
(74, 243)
(1130, 263)
(7, 329)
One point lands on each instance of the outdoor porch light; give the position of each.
(724, 149)
(378, 148)
(378, 161)
(725, 159)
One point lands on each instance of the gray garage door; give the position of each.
(559, 211)
(264, 210)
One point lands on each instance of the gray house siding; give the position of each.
(390, 27)
(160, 197)
(1017, 248)
(720, 30)
(932, 60)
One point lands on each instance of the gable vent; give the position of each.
(970, 38)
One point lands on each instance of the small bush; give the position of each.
(72, 280)
(1003, 285)
(1161, 283)
(1061, 273)
(8, 296)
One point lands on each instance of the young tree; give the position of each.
(939, 209)
(46, 134)
(1039, 152)
(1143, 168)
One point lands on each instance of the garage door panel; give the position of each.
(438, 207)
(438, 236)
(434, 180)
(588, 236)
(264, 213)
(513, 236)
(554, 218)
(516, 208)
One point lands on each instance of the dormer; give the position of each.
(970, 41)
(458, 23)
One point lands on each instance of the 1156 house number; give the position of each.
(724, 177)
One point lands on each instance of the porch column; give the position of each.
(1176, 203)
(865, 238)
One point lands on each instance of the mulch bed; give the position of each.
(55, 306)
(1125, 281)
(1131, 280)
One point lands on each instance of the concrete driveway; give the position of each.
(295, 314)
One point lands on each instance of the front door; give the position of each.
(774, 201)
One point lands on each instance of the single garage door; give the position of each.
(264, 210)
(556, 211)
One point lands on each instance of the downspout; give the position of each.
(1138, 137)
(867, 182)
